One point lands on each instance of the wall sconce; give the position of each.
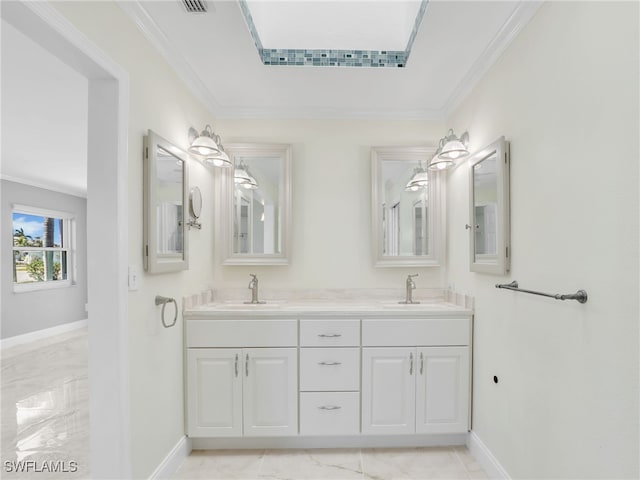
(449, 149)
(242, 177)
(208, 146)
(419, 179)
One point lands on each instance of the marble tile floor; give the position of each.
(332, 464)
(45, 408)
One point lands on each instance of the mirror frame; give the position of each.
(152, 262)
(227, 204)
(500, 263)
(437, 192)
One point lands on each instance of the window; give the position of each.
(42, 248)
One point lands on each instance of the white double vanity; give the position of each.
(327, 374)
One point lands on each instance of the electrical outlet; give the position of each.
(133, 278)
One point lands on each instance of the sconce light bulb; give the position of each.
(217, 163)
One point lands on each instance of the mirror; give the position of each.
(406, 207)
(165, 186)
(257, 204)
(489, 209)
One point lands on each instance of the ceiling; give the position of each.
(44, 117)
(215, 54)
(45, 103)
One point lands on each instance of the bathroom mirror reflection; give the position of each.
(165, 187)
(405, 207)
(489, 209)
(257, 204)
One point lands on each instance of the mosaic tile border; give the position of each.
(333, 58)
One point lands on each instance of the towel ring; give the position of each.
(163, 301)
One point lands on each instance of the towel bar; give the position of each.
(580, 295)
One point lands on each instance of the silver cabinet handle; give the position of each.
(235, 366)
(329, 335)
(329, 407)
(246, 365)
(411, 363)
(421, 363)
(329, 363)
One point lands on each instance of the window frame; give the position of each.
(68, 246)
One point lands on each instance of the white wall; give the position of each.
(29, 311)
(331, 234)
(44, 116)
(158, 101)
(565, 94)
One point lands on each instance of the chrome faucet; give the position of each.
(253, 286)
(411, 285)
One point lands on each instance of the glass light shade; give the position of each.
(221, 160)
(453, 149)
(440, 164)
(240, 175)
(251, 184)
(204, 145)
(419, 180)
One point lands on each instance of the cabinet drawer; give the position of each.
(330, 413)
(330, 333)
(412, 332)
(242, 333)
(329, 369)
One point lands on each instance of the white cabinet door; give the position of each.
(214, 385)
(388, 390)
(270, 391)
(442, 398)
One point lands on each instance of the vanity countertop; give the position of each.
(319, 308)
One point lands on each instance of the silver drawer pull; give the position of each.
(330, 407)
(329, 363)
(329, 335)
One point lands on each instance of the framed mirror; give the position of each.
(165, 171)
(256, 207)
(406, 206)
(489, 209)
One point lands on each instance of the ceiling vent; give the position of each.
(195, 6)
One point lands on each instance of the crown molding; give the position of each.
(159, 40)
(521, 15)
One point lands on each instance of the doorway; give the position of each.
(106, 228)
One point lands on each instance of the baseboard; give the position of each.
(347, 441)
(42, 334)
(173, 460)
(485, 458)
